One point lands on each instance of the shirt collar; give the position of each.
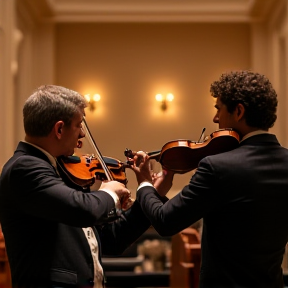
(50, 157)
(257, 132)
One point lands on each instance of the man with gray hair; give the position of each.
(55, 234)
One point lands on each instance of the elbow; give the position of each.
(163, 230)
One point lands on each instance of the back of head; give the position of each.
(254, 91)
(47, 105)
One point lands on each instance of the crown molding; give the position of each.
(149, 10)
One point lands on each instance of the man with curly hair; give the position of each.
(242, 195)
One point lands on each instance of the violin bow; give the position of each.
(97, 151)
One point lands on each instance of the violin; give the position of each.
(84, 170)
(182, 156)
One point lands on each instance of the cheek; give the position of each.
(223, 121)
(75, 133)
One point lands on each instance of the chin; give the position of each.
(68, 154)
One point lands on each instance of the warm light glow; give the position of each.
(159, 97)
(92, 100)
(96, 97)
(169, 97)
(87, 97)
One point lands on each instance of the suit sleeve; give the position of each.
(40, 192)
(188, 206)
(118, 235)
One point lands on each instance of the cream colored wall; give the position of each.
(7, 74)
(277, 44)
(128, 64)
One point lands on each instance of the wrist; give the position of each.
(144, 179)
(143, 184)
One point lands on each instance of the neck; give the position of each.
(247, 130)
(252, 133)
(42, 142)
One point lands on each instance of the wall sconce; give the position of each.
(92, 101)
(160, 98)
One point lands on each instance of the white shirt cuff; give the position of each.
(115, 198)
(143, 184)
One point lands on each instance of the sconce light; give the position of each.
(160, 98)
(92, 101)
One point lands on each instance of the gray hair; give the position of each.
(47, 105)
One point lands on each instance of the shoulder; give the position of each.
(23, 168)
(224, 157)
(28, 162)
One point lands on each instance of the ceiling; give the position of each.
(149, 10)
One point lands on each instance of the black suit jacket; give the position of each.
(242, 196)
(42, 220)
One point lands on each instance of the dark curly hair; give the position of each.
(254, 91)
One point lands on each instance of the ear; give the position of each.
(58, 129)
(239, 112)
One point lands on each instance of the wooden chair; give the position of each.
(185, 259)
(5, 275)
(120, 272)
